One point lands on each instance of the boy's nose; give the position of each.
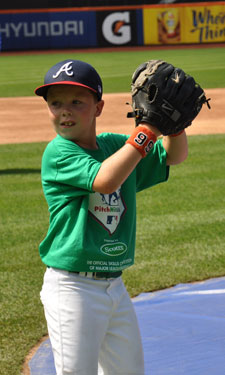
(66, 112)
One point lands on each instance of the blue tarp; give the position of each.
(183, 331)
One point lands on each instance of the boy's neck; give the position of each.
(88, 145)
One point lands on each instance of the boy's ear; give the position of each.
(99, 107)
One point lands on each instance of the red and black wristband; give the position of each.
(143, 139)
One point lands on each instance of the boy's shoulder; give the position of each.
(59, 144)
(113, 141)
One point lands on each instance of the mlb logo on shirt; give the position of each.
(107, 209)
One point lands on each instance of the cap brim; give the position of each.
(42, 90)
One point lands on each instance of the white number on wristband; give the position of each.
(140, 138)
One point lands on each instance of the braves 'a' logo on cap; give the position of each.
(67, 68)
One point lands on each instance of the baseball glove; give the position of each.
(165, 97)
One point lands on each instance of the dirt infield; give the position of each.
(26, 120)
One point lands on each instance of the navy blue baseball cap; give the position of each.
(72, 72)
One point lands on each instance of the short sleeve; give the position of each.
(152, 170)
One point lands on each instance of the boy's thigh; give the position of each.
(89, 321)
(77, 315)
(122, 351)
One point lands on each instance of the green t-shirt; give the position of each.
(89, 231)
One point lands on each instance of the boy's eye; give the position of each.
(76, 101)
(55, 103)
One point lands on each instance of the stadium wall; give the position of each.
(107, 26)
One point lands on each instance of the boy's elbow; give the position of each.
(104, 187)
(182, 157)
(177, 159)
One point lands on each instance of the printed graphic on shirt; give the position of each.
(107, 209)
(114, 249)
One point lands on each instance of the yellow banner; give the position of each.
(162, 25)
(184, 24)
(204, 24)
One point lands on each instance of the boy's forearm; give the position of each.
(176, 148)
(115, 169)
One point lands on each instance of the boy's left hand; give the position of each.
(165, 97)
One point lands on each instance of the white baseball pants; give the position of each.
(92, 325)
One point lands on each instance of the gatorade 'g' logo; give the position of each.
(116, 28)
(67, 68)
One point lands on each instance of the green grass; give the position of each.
(23, 217)
(181, 224)
(180, 236)
(21, 74)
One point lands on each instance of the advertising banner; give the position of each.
(184, 24)
(162, 25)
(106, 27)
(43, 30)
(70, 29)
(119, 28)
(204, 24)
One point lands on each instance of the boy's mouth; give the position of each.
(67, 124)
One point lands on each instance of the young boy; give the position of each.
(90, 184)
